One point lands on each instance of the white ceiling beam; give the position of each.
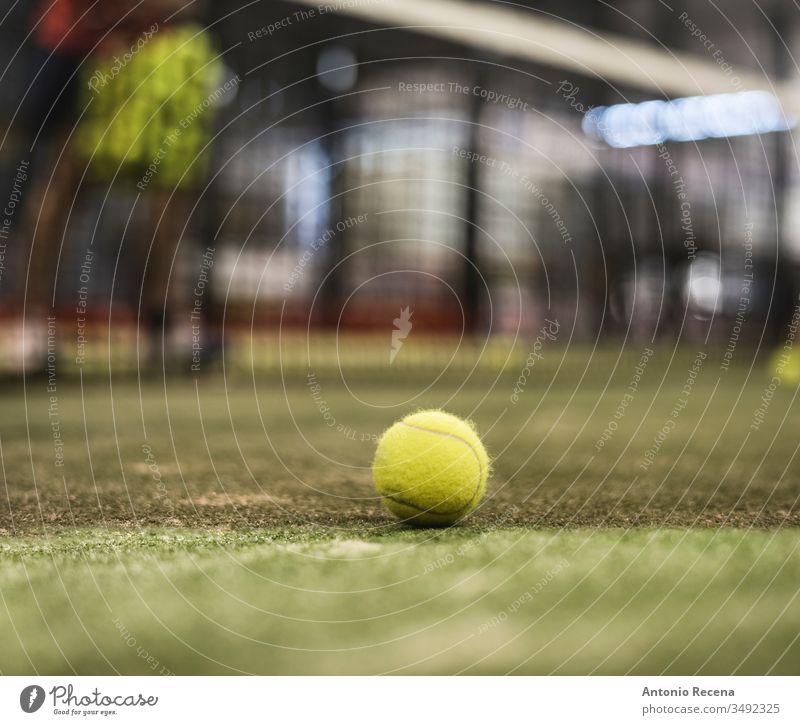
(531, 36)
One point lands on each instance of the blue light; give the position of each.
(687, 119)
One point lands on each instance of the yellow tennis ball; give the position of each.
(785, 364)
(431, 468)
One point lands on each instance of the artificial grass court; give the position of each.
(226, 524)
(300, 601)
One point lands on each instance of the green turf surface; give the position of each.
(200, 452)
(226, 524)
(465, 600)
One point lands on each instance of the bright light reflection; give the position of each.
(687, 119)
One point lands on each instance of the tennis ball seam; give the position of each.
(476, 489)
(431, 512)
(454, 437)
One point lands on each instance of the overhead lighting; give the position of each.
(687, 119)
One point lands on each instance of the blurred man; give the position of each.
(66, 36)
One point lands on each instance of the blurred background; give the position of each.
(180, 181)
(240, 238)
